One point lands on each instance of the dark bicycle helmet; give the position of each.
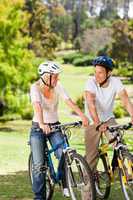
(104, 61)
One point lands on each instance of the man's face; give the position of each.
(54, 79)
(100, 74)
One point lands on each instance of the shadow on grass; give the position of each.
(6, 129)
(17, 186)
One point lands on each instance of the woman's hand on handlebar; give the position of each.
(45, 128)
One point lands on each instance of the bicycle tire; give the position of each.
(126, 174)
(103, 179)
(49, 185)
(77, 177)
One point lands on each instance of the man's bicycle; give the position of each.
(122, 160)
(77, 171)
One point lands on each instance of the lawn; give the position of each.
(14, 181)
(14, 150)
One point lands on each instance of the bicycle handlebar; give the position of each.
(119, 127)
(67, 125)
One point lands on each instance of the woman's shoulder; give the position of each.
(34, 87)
(59, 85)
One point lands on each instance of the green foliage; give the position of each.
(16, 67)
(44, 40)
(27, 113)
(69, 58)
(62, 26)
(10, 117)
(124, 69)
(119, 111)
(78, 59)
(77, 42)
(86, 60)
(80, 102)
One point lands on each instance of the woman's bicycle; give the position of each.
(77, 171)
(122, 160)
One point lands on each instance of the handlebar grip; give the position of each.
(79, 123)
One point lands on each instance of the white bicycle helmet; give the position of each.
(49, 67)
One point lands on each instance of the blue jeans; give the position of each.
(38, 144)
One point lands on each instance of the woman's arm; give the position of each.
(39, 115)
(74, 107)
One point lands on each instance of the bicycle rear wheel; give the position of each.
(79, 177)
(102, 178)
(126, 174)
(49, 184)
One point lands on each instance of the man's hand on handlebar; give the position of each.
(102, 127)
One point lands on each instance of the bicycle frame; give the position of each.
(103, 149)
(56, 176)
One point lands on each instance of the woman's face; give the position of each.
(54, 79)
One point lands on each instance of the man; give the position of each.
(100, 92)
(45, 94)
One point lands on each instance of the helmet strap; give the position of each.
(101, 84)
(48, 85)
(50, 81)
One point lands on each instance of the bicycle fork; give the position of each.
(69, 161)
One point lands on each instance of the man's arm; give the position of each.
(126, 102)
(90, 98)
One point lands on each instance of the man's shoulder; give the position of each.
(90, 84)
(91, 81)
(115, 79)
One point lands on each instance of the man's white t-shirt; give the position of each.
(49, 106)
(104, 97)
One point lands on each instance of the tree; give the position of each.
(94, 40)
(122, 45)
(44, 41)
(109, 9)
(16, 68)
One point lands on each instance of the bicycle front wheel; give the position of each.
(102, 178)
(126, 174)
(49, 184)
(79, 178)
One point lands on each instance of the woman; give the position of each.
(45, 95)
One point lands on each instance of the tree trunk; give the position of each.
(126, 8)
(91, 7)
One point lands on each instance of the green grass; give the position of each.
(14, 181)
(17, 186)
